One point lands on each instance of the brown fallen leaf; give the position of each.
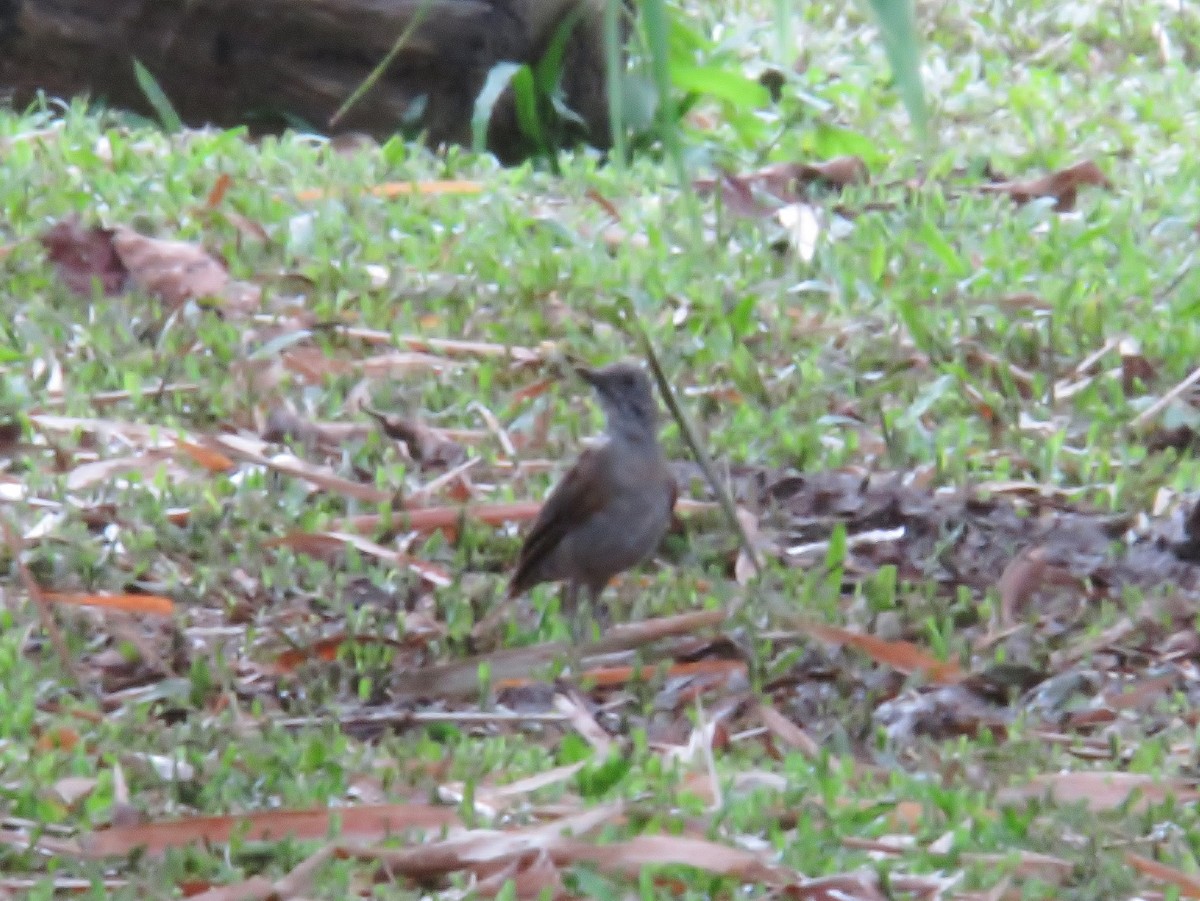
(787, 180)
(1019, 582)
(256, 888)
(368, 823)
(246, 227)
(741, 196)
(903, 656)
(1188, 885)
(1026, 864)
(404, 189)
(632, 855)
(1099, 790)
(126, 603)
(746, 195)
(219, 189)
(788, 732)
(320, 544)
(1141, 693)
(210, 459)
(603, 202)
(1062, 185)
(1028, 572)
(531, 876)
(616, 676)
(325, 650)
(179, 271)
(483, 850)
(85, 256)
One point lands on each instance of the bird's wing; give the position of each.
(573, 501)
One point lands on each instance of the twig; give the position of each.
(493, 424)
(1157, 407)
(689, 433)
(428, 490)
(405, 717)
(377, 72)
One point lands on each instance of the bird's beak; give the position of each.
(588, 375)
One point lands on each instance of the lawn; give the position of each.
(263, 484)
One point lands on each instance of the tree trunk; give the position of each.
(267, 63)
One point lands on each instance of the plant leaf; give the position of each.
(525, 93)
(721, 83)
(168, 118)
(897, 27)
(497, 80)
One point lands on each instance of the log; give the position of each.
(271, 63)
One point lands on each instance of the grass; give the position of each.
(867, 355)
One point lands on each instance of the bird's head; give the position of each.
(626, 398)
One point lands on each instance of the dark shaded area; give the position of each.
(229, 62)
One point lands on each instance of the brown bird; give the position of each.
(612, 508)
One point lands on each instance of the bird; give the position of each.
(610, 511)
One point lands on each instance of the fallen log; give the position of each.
(271, 63)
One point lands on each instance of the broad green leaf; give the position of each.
(721, 83)
(686, 42)
(827, 141)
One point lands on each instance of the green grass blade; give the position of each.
(525, 95)
(898, 28)
(658, 37)
(168, 118)
(377, 72)
(498, 79)
(614, 77)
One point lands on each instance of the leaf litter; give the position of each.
(1043, 560)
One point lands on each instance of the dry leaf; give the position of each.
(179, 271)
(903, 656)
(1021, 579)
(788, 732)
(1099, 790)
(367, 823)
(85, 256)
(751, 195)
(1062, 185)
(126, 603)
(404, 189)
(1188, 884)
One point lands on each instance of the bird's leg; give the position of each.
(600, 610)
(591, 613)
(570, 602)
(570, 609)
